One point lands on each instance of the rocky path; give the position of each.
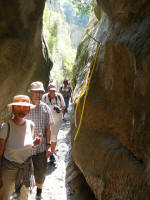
(55, 187)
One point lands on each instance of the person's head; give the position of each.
(65, 82)
(21, 106)
(51, 90)
(36, 91)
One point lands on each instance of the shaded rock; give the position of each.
(125, 12)
(112, 148)
(23, 55)
(77, 183)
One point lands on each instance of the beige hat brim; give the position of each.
(36, 90)
(32, 106)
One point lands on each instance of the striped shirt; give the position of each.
(42, 117)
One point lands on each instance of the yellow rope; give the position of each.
(81, 118)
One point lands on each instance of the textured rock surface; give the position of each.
(23, 56)
(113, 146)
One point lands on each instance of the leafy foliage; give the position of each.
(50, 30)
(58, 39)
(72, 17)
(84, 6)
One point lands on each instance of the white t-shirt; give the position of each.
(19, 144)
(58, 100)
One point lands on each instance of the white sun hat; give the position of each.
(36, 86)
(52, 86)
(21, 100)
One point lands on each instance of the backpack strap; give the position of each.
(57, 96)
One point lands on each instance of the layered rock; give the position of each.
(112, 149)
(23, 54)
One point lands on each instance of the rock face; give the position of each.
(112, 149)
(23, 54)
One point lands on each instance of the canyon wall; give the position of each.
(112, 149)
(23, 54)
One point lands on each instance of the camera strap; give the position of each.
(56, 100)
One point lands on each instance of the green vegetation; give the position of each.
(56, 32)
(75, 17)
(50, 30)
(85, 6)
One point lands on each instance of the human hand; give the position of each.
(37, 140)
(48, 151)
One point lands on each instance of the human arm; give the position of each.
(3, 139)
(62, 103)
(2, 145)
(70, 94)
(48, 135)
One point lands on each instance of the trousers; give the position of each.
(8, 177)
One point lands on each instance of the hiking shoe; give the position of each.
(52, 158)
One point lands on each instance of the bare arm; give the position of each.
(2, 145)
(48, 136)
(32, 130)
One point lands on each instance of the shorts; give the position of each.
(40, 166)
(54, 131)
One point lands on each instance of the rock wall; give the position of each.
(112, 149)
(23, 54)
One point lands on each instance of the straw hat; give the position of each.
(21, 100)
(36, 86)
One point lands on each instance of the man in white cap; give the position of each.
(43, 119)
(57, 105)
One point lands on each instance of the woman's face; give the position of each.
(20, 111)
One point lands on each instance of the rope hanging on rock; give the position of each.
(86, 92)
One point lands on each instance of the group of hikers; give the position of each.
(30, 138)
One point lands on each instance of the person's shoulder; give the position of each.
(44, 105)
(61, 87)
(59, 95)
(44, 95)
(30, 122)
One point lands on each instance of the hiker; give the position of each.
(42, 117)
(16, 143)
(66, 91)
(57, 105)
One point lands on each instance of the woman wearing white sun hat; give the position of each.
(16, 143)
